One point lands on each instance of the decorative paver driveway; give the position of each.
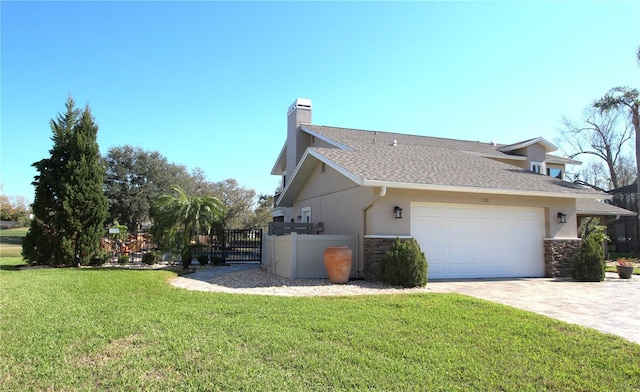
(610, 306)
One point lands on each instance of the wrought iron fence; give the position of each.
(235, 245)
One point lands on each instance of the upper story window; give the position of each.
(537, 167)
(555, 172)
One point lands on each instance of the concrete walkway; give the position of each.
(610, 306)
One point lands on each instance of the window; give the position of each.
(306, 215)
(555, 173)
(537, 167)
(323, 167)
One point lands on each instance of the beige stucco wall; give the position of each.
(380, 220)
(536, 153)
(334, 200)
(340, 205)
(518, 163)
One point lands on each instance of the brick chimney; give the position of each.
(297, 141)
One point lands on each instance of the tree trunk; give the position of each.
(635, 120)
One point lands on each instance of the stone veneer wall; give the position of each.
(375, 250)
(558, 256)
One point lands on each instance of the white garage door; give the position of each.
(463, 241)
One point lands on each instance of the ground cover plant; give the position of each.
(118, 329)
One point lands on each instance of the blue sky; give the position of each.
(208, 84)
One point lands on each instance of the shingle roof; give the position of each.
(361, 139)
(432, 161)
(592, 207)
(373, 158)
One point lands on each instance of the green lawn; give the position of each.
(11, 242)
(107, 329)
(636, 270)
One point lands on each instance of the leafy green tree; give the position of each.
(239, 203)
(69, 206)
(134, 180)
(627, 98)
(262, 212)
(13, 208)
(178, 217)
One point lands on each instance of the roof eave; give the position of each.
(324, 138)
(549, 147)
(494, 191)
(277, 167)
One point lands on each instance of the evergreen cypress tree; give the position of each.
(69, 206)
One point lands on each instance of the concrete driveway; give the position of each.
(610, 306)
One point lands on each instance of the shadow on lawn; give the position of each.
(27, 267)
(11, 240)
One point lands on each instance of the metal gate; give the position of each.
(241, 245)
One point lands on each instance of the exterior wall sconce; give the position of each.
(562, 218)
(397, 212)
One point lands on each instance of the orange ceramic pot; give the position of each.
(337, 261)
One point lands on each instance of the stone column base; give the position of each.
(558, 256)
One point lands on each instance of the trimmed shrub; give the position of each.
(101, 257)
(123, 259)
(589, 265)
(217, 260)
(405, 265)
(150, 258)
(203, 259)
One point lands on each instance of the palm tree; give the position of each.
(178, 217)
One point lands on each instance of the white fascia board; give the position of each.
(562, 161)
(494, 156)
(282, 155)
(325, 139)
(549, 147)
(464, 189)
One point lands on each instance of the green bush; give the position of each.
(217, 260)
(101, 257)
(150, 258)
(589, 265)
(203, 259)
(405, 265)
(123, 259)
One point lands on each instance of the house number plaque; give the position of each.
(485, 200)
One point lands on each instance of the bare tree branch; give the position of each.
(602, 134)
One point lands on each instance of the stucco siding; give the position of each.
(536, 153)
(522, 164)
(380, 220)
(299, 256)
(334, 200)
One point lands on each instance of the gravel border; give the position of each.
(258, 282)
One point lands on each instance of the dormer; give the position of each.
(537, 158)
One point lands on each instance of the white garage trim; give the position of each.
(472, 241)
